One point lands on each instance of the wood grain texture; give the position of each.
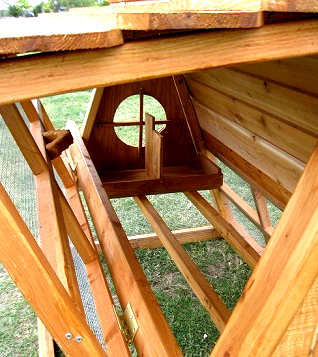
(35, 278)
(267, 186)
(289, 137)
(281, 167)
(291, 5)
(196, 280)
(281, 280)
(44, 34)
(243, 248)
(154, 335)
(148, 59)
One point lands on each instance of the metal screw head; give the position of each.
(68, 335)
(79, 339)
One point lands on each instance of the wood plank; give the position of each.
(76, 70)
(270, 188)
(177, 5)
(291, 5)
(289, 137)
(189, 112)
(154, 335)
(196, 280)
(188, 235)
(35, 278)
(263, 214)
(257, 151)
(176, 179)
(295, 72)
(38, 165)
(153, 149)
(300, 338)
(57, 34)
(91, 112)
(282, 279)
(244, 249)
(154, 20)
(295, 107)
(46, 342)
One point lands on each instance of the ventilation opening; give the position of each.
(130, 118)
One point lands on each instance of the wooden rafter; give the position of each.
(280, 280)
(77, 70)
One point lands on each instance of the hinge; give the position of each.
(127, 323)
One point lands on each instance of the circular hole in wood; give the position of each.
(127, 116)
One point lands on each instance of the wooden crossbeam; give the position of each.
(35, 278)
(200, 286)
(154, 335)
(282, 279)
(248, 252)
(76, 70)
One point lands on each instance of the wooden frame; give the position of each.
(259, 119)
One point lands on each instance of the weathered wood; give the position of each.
(287, 136)
(154, 335)
(196, 280)
(239, 244)
(189, 112)
(153, 149)
(282, 278)
(57, 34)
(255, 150)
(35, 278)
(91, 111)
(77, 70)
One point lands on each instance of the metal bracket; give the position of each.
(127, 323)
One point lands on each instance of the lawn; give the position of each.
(189, 321)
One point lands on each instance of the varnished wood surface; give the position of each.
(135, 61)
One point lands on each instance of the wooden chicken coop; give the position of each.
(238, 81)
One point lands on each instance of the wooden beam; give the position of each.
(290, 5)
(76, 70)
(244, 249)
(153, 149)
(151, 20)
(38, 165)
(189, 112)
(196, 280)
(282, 279)
(35, 278)
(47, 34)
(91, 112)
(154, 335)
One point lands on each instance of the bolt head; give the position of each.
(79, 339)
(68, 335)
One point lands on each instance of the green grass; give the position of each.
(190, 323)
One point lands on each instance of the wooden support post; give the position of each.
(198, 283)
(239, 244)
(263, 214)
(34, 276)
(154, 336)
(282, 279)
(77, 222)
(189, 112)
(37, 163)
(154, 149)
